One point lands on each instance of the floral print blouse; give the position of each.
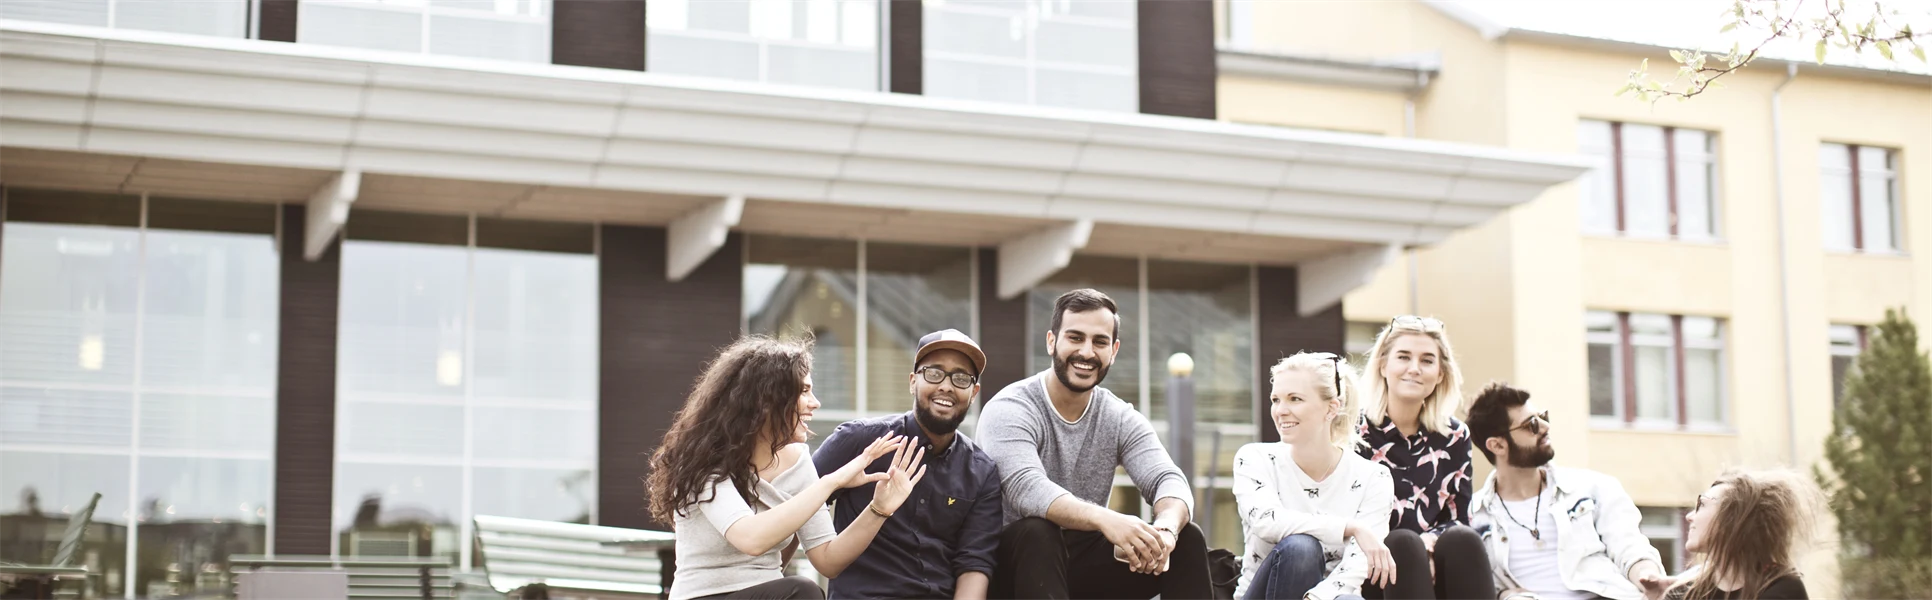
(1431, 470)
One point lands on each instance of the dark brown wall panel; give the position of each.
(305, 393)
(655, 337)
(1002, 329)
(1177, 58)
(277, 22)
(598, 33)
(907, 66)
(1282, 331)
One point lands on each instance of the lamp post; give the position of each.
(1180, 412)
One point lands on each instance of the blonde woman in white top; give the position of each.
(1314, 512)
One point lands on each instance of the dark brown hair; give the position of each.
(754, 382)
(1084, 300)
(1489, 414)
(1752, 533)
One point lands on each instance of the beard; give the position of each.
(1060, 369)
(935, 424)
(1530, 457)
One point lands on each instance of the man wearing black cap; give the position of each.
(940, 543)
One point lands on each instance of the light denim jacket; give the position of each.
(1598, 533)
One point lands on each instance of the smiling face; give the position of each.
(807, 404)
(1084, 348)
(1413, 366)
(1702, 517)
(1299, 413)
(941, 407)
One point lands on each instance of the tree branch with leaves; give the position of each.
(1880, 28)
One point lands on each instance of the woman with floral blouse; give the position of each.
(1410, 388)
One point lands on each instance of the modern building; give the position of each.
(330, 277)
(1690, 305)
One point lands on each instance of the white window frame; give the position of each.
(1715, 343)
(1854, 173)
(1030, 18)
(1614, 339)
(1674, 343)
(765, 42)
(1618, 152)
(427, 10)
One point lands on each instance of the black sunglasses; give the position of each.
(1536, 424)
(934, 374)
(1338, 369)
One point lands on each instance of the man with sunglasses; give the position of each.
(1552, 533)
(940, 543)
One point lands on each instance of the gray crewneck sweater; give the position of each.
(1042, 457)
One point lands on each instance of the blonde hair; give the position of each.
(1445, 402)
(1753, 532)
(1329, 372)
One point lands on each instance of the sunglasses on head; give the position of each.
(1424, 324)
(1330, 356)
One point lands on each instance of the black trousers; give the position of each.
(784, 588)
(1038, 559)
(1462, 567)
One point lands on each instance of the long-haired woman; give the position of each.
(1411, 387)
(1312, 511)
(736, 482)
(1744, 536)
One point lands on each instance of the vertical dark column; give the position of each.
(277, 21)
(654, 339)
(1282, 331)
(1177, 69)
(1002, 329)
(907, 62)
(305, 392)
(598, 33)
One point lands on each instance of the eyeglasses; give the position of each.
(1535, 424)
(934, 374)
(1424, 324)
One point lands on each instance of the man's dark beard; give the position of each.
(1528, 458)
(1061, 364)
(935, 425)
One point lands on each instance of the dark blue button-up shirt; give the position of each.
(948, 526)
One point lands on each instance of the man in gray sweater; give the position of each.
(1057, 437)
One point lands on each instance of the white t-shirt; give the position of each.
(1534, 561)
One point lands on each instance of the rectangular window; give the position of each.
(466, 380)
(824, 43)
(1847, 341)
(1859, 198)
(1649, 181)
(1083, 54)
(138, 341)
(1656, 369)
(1665, 528)
(224, 18)
(515, 30)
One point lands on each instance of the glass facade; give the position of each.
(1081, 54)
(466, 381)
(824, 43)
(516, 30)
(225, 18)
(137, 362)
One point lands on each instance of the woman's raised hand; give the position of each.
(908, 467)
(853, 473)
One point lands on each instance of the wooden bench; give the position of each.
(572, 561)
(423, 578)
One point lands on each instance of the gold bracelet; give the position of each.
(875, 510)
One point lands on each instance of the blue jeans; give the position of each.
(1290, 570)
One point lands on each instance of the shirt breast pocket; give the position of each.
(946, 511)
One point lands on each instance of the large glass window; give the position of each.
(226, 18)
(828, 43)
(800, 288)
(1656, 369)
(1081, 54)
(516, 30)
(466, 380)
(1859, 198)
(1649, 181)
(137, 362)
(911, 291)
